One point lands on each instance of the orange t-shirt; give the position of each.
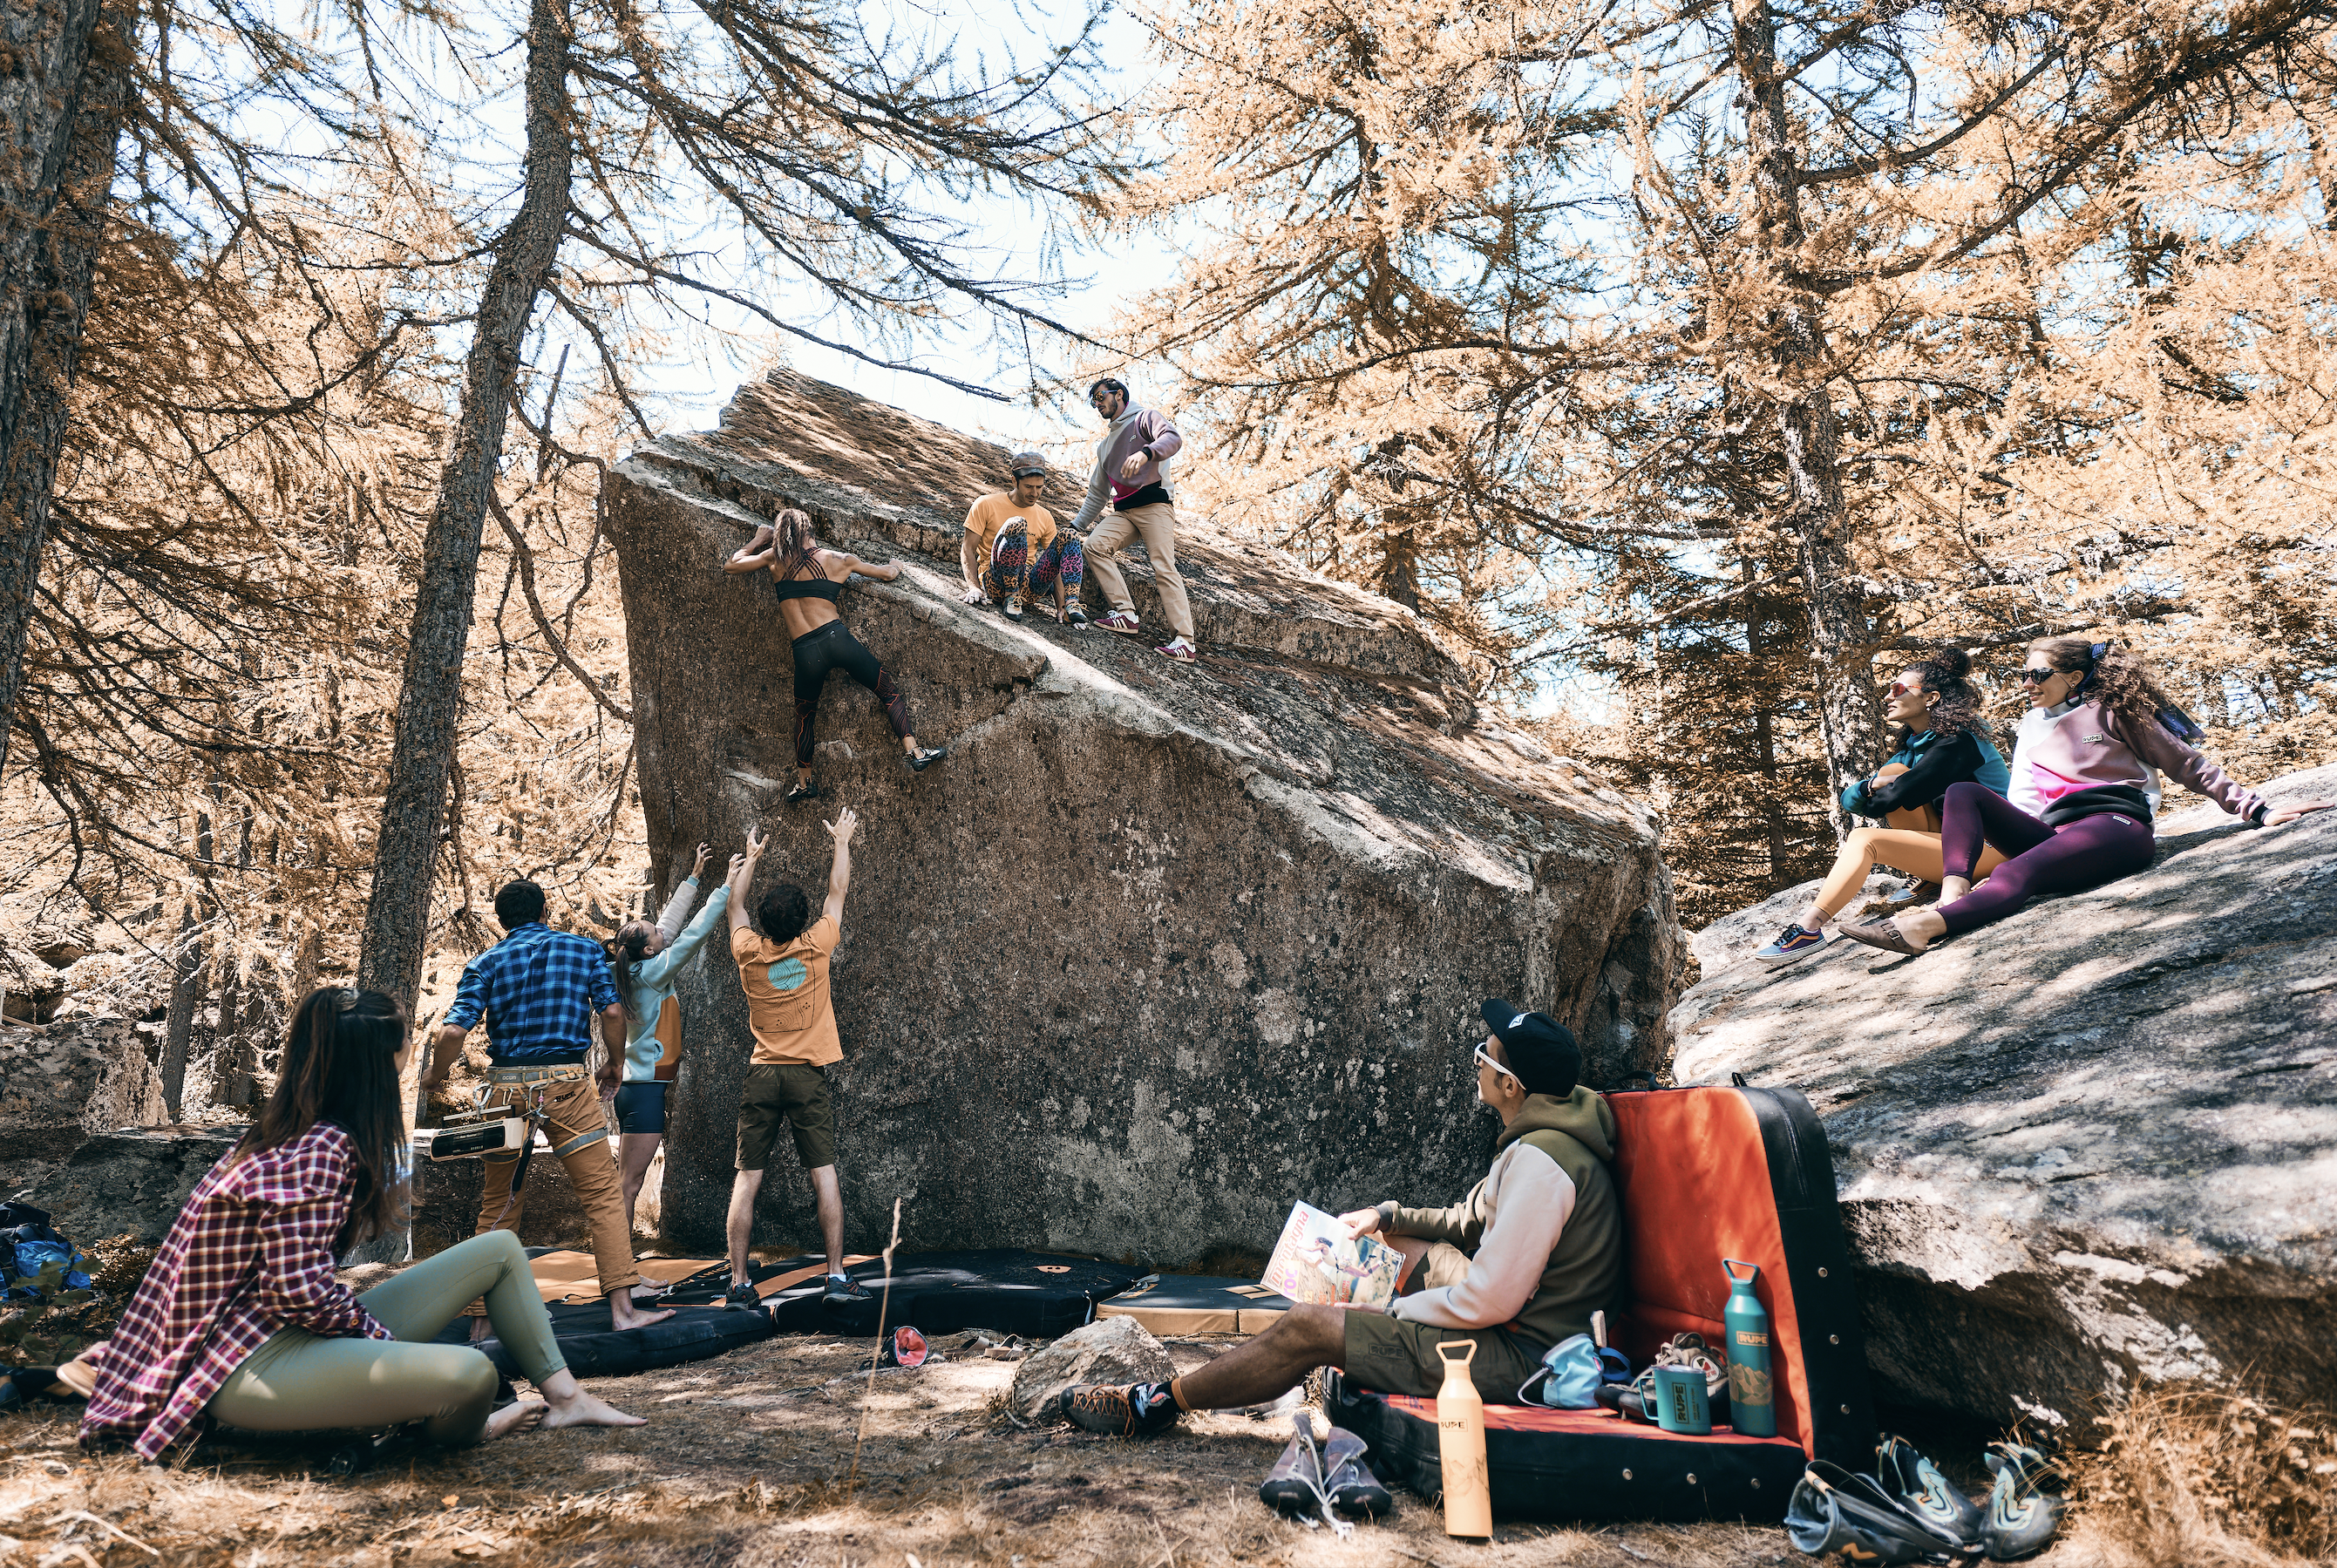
(788, 1008)
(988, 514)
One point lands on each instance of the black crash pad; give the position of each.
(1039, 1295)
(594, 1349)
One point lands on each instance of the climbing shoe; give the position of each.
(1075, 617)
(1353, 1489)
(1922, 1491)
(1120, 1409)
(1015, 607)
(2021, 1518)
(741, 1293)
(803, 791)
(919, 761)
(842, 1289)
(1295, 1483)
(1793, 942)
(1835, 1510)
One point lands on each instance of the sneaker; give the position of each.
(741, 1293)
(2021, 1518)
(1793, 942)
(1353, 1487)
(1121, 622)
(1923, 1492)
(920, 761)
(842, 1289)
(1014, 607)
(1119, 1410)
(1181, 650)
(1075, 617)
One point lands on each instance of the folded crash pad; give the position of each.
(594, 1349)
(1704, 1174)
(562, 1275)
(1039, 1295)
(1196, 1304)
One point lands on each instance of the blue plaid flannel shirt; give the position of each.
(540, 991)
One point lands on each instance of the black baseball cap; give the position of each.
(1541, 1051)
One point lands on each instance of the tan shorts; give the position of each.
(789, 1092)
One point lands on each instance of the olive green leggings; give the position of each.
(298, 1381)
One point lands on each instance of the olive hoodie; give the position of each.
(1546, 1227)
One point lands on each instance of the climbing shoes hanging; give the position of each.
(1907, 1512)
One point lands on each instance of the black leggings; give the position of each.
(828, 648)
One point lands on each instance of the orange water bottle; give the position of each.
(1460, 1443)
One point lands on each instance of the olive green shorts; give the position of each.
(789, 1092)
(1391, 1356)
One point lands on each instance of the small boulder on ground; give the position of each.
(1109, 1351)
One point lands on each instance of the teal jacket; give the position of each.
(653, 980)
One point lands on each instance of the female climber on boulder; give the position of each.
(806, 578)
(1942, 742)
(241, 1317)
(2098, 732)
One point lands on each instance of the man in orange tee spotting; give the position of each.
(793, 1020)
(1013, 553)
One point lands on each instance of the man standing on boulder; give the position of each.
(1545, 1225)
(539, 991)
(1131, 471)
(793, 1020)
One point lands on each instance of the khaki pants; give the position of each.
(580, 1137)
(1155, 525)
(297, 1381)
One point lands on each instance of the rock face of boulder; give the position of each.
(1156, 949)
(70, 1079)
(1109, 1351)
(2090, 1147)
(117, 1182)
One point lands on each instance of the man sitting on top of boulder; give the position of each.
(1012, 553)
(1546, 1227)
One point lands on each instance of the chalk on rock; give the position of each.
(1109, 1351)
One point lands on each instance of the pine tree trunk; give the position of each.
(1842, 631)
(429, 701)
(62, 106)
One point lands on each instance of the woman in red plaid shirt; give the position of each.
(241, 1319)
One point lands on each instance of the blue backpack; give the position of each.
(29, 1244)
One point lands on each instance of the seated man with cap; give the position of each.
(1518, 1265)
(1013, 550)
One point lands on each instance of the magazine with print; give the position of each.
(1316, 1261)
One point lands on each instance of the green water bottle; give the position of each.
(1752, 1401)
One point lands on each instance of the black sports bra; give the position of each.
(820, 587)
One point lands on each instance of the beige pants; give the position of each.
(579, 1135)
(1155, 525)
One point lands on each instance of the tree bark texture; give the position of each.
(1842, 629)
(61, 109)
(430, 698)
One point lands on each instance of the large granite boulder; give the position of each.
(2090, 1147)
(129, 1181)
(62, 1083)
(1156, 949)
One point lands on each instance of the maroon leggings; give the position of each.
(2041, 860)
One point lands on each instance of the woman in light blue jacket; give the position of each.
(647, 957)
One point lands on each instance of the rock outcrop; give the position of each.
(1156, 949)
(2090, 1147)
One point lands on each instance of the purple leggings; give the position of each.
(2041, 860)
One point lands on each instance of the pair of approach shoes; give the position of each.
(1176, 647)
(1907, 1512)
(1636, 1400)
(1311, 1482)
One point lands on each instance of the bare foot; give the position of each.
(512, 1419)
(581, 1409)
(625, 1315)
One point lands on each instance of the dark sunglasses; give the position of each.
(2034, 676)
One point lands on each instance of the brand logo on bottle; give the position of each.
(1750, 1337)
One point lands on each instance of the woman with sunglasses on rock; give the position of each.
(2098, 732)
(240, 1317)
(1940, 743)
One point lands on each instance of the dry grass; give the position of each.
(2203, 1478)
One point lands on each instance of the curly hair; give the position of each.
(1948, 672)
(2114, 676)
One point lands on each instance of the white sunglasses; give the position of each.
(1479, 1053)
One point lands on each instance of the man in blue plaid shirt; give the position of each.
(539, 992)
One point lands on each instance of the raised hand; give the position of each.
(738, 864)
(757, 842)
(840, 830)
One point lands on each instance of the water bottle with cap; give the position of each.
(1752, 1402)
(1460, 1443)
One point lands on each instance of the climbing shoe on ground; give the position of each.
(1793, 942)
(1836, 1510)
(1884, 934)
(1923, 1492)
(2021, 1518)
(1636, 1400)
(741, 1293)
(843, 1290)
(1014, 607)
(802, 791)
(1120, 1409)
(1075, 617)
(1353, 1489)
(1295, 1481)
(1121, 622)
(920, 760)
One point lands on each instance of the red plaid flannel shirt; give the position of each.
(250, 1253)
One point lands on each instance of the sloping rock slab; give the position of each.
(1156, 949)
(114, 1183)
(2091, 1146)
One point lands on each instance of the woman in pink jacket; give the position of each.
(2085, 786)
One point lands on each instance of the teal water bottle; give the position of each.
(1752, 1401)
